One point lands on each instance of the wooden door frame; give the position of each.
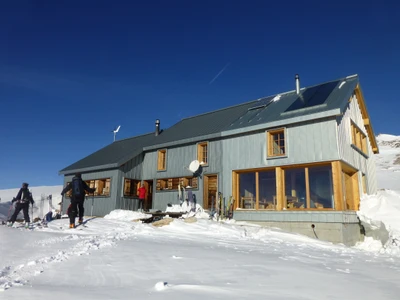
(146, 184)
(205, 188)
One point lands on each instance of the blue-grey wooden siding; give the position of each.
(305, 143)
(178, 159)
(350, 155)
(133, 168)
(101, 205)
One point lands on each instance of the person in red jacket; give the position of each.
(142, 196)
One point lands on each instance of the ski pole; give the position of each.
(32, 212)
(91, 211)
(9, 211)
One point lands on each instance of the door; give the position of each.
(210, 191)
(148, 203)
(351, 191)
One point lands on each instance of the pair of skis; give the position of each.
(222, 210)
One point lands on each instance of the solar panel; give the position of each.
(263, 102)
(313, 96)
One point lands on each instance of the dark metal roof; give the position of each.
(111, 156)
(213, 124)
(202, 125)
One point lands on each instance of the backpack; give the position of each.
(77, 188)
(25, 196)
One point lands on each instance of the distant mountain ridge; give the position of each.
(388, 162)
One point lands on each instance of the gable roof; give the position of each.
(319, 101)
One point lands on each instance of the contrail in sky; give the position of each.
(219, 73)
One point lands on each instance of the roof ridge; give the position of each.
(325, 82)
(132, 137)
(220, 109)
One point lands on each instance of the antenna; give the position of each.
(115, 131)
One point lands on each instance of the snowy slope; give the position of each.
(388, 162)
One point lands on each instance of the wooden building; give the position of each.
(299, 157)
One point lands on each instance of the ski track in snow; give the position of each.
(21, 273)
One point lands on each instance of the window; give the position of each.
(102, 187)
(162, 160)
(276, 143)
(267, 189)
(130, 187)
(295, 188)
(173, 183)
(321, 189)
(202, 153)
(247, 190)
(358, 138)
(308, 187)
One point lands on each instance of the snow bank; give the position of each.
(379, 214)
(126, 215)
(198, 213)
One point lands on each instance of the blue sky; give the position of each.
(71, 71)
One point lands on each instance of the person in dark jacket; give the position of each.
(24, 197)
(78, 187)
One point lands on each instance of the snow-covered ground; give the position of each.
(119, 257)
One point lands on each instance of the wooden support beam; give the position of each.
(366, 122)
(235, 188)
(307, 189)
(280, 189)
(257, 190)
(337, 185)
(356, 191)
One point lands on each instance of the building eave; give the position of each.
(88, 169)
(366, 119)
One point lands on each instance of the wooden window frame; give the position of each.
(171, 184)
(280, 202)
(100, 185)
(162, 160)
(130, 187)
(200, 153)
(270, 142)
(358, 138)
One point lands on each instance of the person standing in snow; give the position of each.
(142, 196)
(78, 187)
(24, 197)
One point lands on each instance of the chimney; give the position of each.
(157, 132)
(297, 84)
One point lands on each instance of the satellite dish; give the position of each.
(194, 166)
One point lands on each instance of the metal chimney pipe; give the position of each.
(157, 132)
(297, 78)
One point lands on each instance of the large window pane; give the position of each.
(247, 190)
(295, 188)
(267, 190)
(321, 191)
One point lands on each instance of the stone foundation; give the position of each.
(335, 227)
